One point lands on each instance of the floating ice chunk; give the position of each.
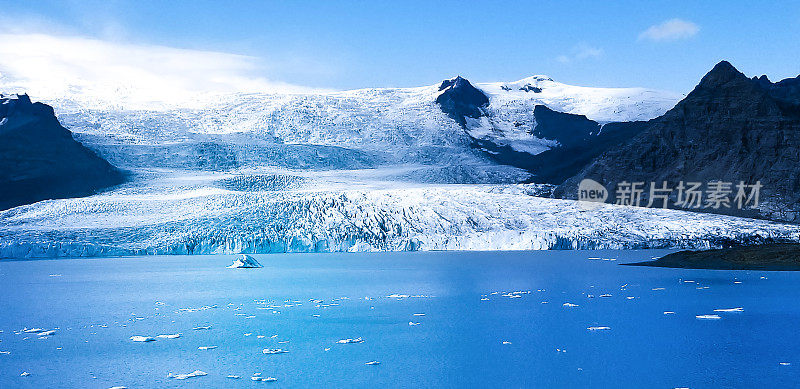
(708, 317)
(244, 261)
(32, 330)
(169, 336)
(206, 347)
(24, 374)
(233, 377)
(270, 351)
(116, 387)
(54, 275)
(263, 379)
(570, 305)
(738, 309)
(411, 323)
(139, 338)
(419, 314)
(593, 258)
(784, 363)
(46, 333)
(658, 289)
(605, 295)
(485, 299)
(600, 328)
(373, 363)
(5, 352)
(349, 340)
(196, 373)
(506, 342)
(669, 313)
(201, 328)
(630, 297)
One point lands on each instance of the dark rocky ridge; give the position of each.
(460, 100)
(730, 128)
(777, 256)
(40, 160)
(580, 139)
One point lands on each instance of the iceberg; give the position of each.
(196, 373)
(244, 261)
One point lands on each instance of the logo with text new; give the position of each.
(591, 194)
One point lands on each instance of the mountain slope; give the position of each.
(40, 160)
(729, 128)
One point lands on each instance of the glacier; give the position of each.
(364, 170)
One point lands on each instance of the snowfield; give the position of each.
(363, 170)
(445, 217)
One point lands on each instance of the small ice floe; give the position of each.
(271, 351)
(201, 328)
(46, 333)
(630, 297)
(263, 379)
(485, 299)
(605, 295)
(372, 363)
(349, 340)
(169, 336)
(688, 281)
(506, 342)
(139, 338)
(248, 334)
(593, 258)
(233, 377)
(283, 342)
(763, 278)
(703, 287)
(658, 289)
(669, 313)
(738, 309)
(419, 314)
(599, 328)
(24, 374)
(5, 352)
(196, 373)
(411, 323)
(784, 363)
(561, 350)
(116, 387)
(206, 347)
(244, 261)
(315, 315)
(737, 282)
(569, 305)
(32, 330)
(609, 259)
(54, 275)
(708, 317)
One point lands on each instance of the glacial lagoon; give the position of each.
(421, 319)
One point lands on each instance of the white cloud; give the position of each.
(580, 52)
(52, 66)
(670, 30)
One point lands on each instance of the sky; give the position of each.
(292, 45)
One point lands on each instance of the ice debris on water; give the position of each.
(738, 309)
(373, 363)
(271, 351)
(139, 338)
(244, 261)
(570, 305)
(708, 317)
(349, 340)
(24, 374)
(196, 373)
(599, 328)
(169, 336)
(206, 347)
(201, 328)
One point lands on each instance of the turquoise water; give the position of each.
(96, 305)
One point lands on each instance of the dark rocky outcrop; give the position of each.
(730, 128)
(777, 256)
(40, 160)
(460, 100)
(579, 138)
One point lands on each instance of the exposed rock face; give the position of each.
(729, 128)
(460, 100)
(40, 160)
(577, 139)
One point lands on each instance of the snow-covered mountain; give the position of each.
(371, 169)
